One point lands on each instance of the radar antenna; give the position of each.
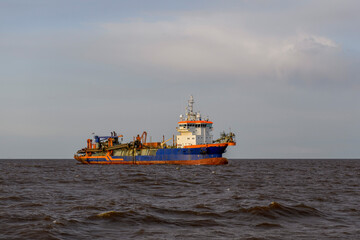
(190, 109)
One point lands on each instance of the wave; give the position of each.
(87, 207)
(14, 198)
(112, 214)
(17, 216)
(186, 213)
(157, 215)
(275, 210)
(131, 217)
(29, 205)
(268, 225)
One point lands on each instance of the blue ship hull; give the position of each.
(191, 156)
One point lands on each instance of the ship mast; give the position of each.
(190, 115)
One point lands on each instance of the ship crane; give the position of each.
(163, 143)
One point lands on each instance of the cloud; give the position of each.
(232, 45)
(278, 75)
(206, 47)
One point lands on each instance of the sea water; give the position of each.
(246, 199)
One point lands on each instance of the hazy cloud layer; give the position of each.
(282, 74)
(194, 47)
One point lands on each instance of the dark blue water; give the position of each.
(246, 199)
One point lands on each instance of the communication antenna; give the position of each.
(191, 104)
(190, 108)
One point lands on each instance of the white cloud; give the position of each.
(196, 46)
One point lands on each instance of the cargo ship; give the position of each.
(194, 145)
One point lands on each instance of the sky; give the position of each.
(282, 75)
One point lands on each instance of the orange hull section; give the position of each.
(205, 161)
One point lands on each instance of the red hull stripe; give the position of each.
(195, 122)
(205, 161)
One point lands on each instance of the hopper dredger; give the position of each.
(194, 145)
